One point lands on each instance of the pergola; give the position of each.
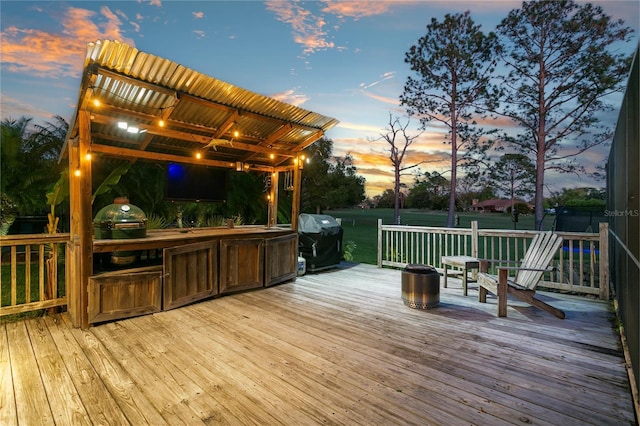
(135, 105)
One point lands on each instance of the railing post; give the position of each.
(474, 245)
(474, 238)
(379, 243)
(604, 260)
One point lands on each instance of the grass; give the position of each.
(361, 226)
(5, 294)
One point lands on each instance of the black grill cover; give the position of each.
(319, 241)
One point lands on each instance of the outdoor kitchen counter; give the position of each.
(197, 264)
(163, 238)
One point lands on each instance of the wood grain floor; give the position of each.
(337, 347)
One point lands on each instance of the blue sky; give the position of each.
(342, 59)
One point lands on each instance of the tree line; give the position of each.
(547, 70)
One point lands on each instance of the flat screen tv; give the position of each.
(196, 183)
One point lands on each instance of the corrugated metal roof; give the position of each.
(196, 109)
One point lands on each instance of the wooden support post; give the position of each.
(273, 214)
(604, 261)
(482, 291)
(297, 184)
(380, 243)
(80, 261)
(475, 243)
(474, 238)
(502, 292)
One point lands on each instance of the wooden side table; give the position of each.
(462, 262)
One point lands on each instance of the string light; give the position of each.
(77, 172)
(198, 155)
(96, 102)
(161, 122)
(87, 156)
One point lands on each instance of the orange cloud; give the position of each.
(365, 128)
(383, 99)
(371, 159)
(356, 9)
(36, 52)
(290, 97)
(307, 29)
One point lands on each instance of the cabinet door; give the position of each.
(123, 294)
(241, 264)
(280, 261)
(191, 273)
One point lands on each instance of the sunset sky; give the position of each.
(341, 59)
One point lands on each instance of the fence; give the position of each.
(31, 268)
(582, 265)
(623, 211)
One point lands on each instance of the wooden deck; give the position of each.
(337, 347)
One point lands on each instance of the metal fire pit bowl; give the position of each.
(420, 286)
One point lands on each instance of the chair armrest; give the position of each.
(517, 268)
(484, 263)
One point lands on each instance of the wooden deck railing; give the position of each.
(30, 271)
(582, 265)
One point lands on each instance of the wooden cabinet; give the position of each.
(196, 266)
(190, 273)
(280, 259)
(123, 294)
(241, 264)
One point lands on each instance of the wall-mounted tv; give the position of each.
(196, 183)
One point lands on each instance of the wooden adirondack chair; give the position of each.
(535, 262)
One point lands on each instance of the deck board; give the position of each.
(336, 347)
(62, 397)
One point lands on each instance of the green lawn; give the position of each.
(361, 226)
(5, 293)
